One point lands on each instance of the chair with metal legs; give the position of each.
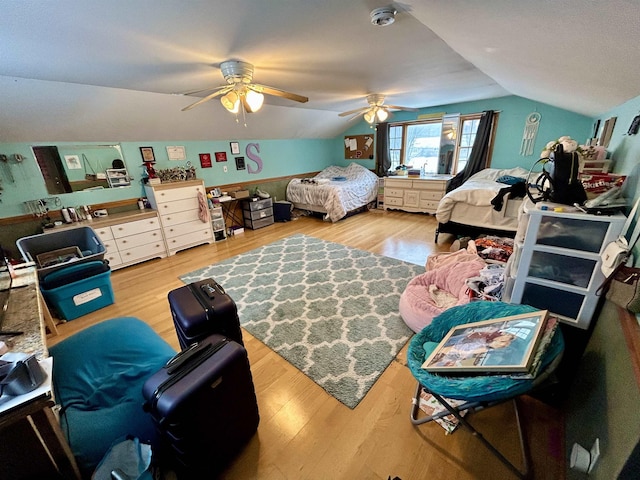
(476, 392)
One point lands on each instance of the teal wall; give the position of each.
(285, 157)
(554, 123)
(279, 158)
(605, 401)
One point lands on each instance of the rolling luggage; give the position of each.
(203, 404)
(202, 308)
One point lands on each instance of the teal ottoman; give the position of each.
(98, 375)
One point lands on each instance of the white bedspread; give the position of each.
(336, 197)
(477, 191)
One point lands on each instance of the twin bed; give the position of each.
(335, 191)
(488, 202)
(468, 210)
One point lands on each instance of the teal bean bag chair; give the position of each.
(98, 375)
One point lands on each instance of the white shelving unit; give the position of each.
(556, 263)
(118, 177)
(218, 224)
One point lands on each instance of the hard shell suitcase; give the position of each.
(204, 406)
(202, 308)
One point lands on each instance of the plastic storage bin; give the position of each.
(92, 291)
(84, 238)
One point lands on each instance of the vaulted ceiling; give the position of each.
(92, 70)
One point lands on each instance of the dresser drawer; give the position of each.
(131, 228)
(178, 193)
(193, 238)
(397, 183)
(435, 185)
(113, 257)
(183, 228)
(395, 201)
(181, 217)
(393, 192)
(429, 205)
(149, 250)
(104, 233)
(178, 206)
(430, 195)
(131, 241)
(257, 204)
(257, 214)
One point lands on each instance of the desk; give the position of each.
(38, 447)
(229, 208)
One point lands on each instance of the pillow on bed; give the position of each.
(510, 179)
(494, 174)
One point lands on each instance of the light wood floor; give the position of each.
(305, 433)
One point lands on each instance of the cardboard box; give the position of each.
(55, 257)
(240, 194)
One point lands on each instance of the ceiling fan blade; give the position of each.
(194, 92)
(356, 115)
(357, 110)
(208, 97)
(396, 107)
(277, 92)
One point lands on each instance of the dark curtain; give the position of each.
(383, 160)
(479, 153)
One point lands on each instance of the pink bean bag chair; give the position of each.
(443, 286)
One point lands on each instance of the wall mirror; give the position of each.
(448, 138)
(72, 168)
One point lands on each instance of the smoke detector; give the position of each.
(383, 16)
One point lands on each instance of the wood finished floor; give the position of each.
(305, 433)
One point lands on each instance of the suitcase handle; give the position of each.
(200, 356)
(184, 356)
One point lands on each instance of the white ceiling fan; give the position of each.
(240, 89)
(376, 109)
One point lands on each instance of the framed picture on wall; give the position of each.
(235, 148)
(176, 153)
(221, 156)
(147, 154)
(240, 163)
(205, 160)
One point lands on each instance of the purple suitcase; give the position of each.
(202, 308)
(204, 406)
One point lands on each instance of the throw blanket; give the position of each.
(517, 190)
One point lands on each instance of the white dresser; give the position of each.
(556, 261)
(178, 207)
(128, 237)
(415, 194)
(133, 241)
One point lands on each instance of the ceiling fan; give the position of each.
(240, 89)
(376, 109)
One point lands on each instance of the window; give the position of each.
(438, 145)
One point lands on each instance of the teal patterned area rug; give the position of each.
(328, 309)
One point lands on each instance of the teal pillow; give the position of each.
(509, 179)
(98, 375)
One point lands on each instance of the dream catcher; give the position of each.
(529, 134)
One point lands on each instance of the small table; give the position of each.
(29, 419)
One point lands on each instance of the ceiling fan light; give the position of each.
(231, 101)
(370, 116)
(382, 114)
(254, 100)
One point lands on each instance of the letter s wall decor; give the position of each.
(254, 157)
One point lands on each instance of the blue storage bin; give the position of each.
(80, 297)
(84, 238)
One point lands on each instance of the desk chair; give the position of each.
(479, 391)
